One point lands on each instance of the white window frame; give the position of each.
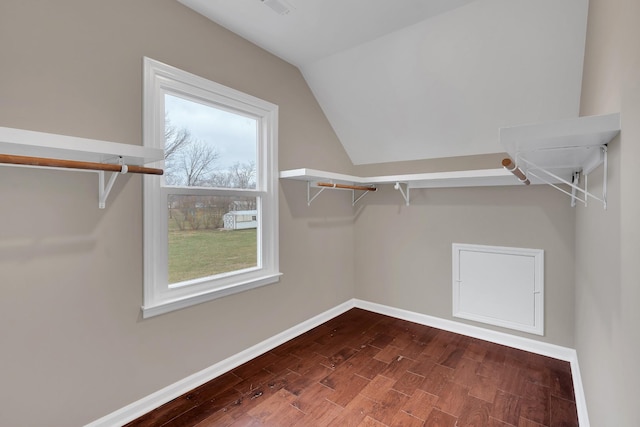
(159, 297)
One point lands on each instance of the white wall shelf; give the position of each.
(38, 149)
(548, 153)
(30, 143)
(403, 183)
(563, 152)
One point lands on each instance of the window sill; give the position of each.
(163, 307)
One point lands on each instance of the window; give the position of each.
(211, 221)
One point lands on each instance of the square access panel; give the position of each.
(499, 286)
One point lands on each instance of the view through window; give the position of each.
(209, 147)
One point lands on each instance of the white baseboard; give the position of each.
(160, 397)
(527, 344)
(533, 346)
(151, 402)
(578, 389)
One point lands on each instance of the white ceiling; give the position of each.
(415, 79)
(315, 29)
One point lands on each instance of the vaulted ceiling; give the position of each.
(417, 79)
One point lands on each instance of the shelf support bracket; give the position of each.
(353, 188)
(404, 192)
(311, 198)
(605, 172)
(544, 175)
(575, 180)
(355, 199)
(103, 191)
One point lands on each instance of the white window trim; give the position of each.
(158, 296)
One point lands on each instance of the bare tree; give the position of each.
(221, 180)
(239, 175)
(175, 140)
(186, 161)
(189, 162)
(243, 174)
(196, 163)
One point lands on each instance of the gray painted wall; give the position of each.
(608, 242)
(403, 254)
(71, 274)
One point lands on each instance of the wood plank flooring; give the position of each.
(366, 369)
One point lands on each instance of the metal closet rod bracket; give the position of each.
(100, 168)
(311, 198)
(103, 191)
(545, 176)
(404, 192)
(325, 185)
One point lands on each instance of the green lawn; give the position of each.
(202, 253)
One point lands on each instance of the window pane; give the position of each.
(210, 235)
(207, 146)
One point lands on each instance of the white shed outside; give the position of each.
(240, 220)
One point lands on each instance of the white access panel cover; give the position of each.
(499, 286)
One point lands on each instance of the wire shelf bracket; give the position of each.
(324, 185)
(578, 194)
(404, 192)
(104, 190)
(562, 153)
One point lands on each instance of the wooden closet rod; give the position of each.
(509, 165)
(75, 164)
(347, 187)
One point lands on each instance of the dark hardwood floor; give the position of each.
(366, 369)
